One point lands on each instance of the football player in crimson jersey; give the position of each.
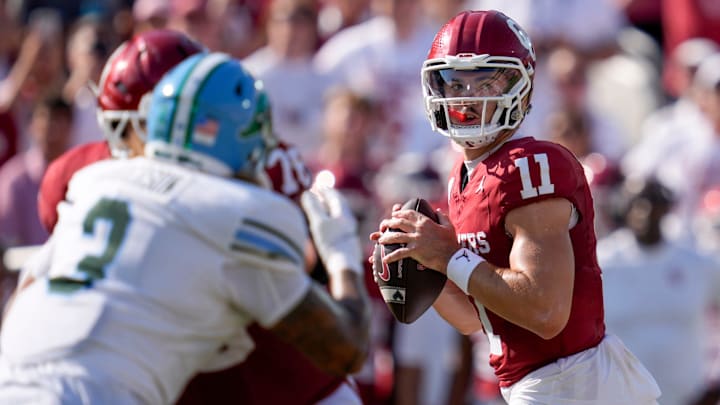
(129, 74)
(518, 243)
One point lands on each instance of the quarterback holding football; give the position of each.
(518, 243)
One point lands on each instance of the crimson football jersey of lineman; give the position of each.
(274, 373)
(521, 172)
(55, 181)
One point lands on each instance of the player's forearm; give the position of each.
(514, 296)
(452, 305)
(333, 333)
(348, 289)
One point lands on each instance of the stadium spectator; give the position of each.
(683, 20)
(349, 124)
(8, 137)
(336, 15)
(568, 74)
(379, 58)
(295, 87)
(37, 71)
(519, 239)
(231, 26)
(86, 52)
(692, 166)
(200, 19)
(10, 36)
(437, 12)
(150, 14)
(20, 177)
(155, 352)
(657, 292)
(658, 138)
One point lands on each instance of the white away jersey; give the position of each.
(156, 270)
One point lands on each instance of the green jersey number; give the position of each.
(93, 267)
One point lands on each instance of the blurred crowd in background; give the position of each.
(632, 87)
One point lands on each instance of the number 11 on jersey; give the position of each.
(528, 189)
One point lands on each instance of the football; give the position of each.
(407, 287)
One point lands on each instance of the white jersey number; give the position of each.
(295, 176)
(528, 189)
(93, 267)
(493, 339)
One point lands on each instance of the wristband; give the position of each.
(461, 266)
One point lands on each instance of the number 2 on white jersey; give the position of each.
(528, 189)
(93, 267)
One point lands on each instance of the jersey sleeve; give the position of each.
(38, 265)
(52, 190)
(54, 185)
(537, 173)
(284, 172)
(266, 276)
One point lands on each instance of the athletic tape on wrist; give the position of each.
(460, 267)
(338, 262)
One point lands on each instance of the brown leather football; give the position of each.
(407, 287)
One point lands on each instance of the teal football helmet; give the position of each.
(209, 113)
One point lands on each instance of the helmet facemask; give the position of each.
(115, 125)
(127, 80)
(474, 99)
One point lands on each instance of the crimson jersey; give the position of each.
(521, 172)
(272, 364)
(55, 181)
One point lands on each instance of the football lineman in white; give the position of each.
(158, 263)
